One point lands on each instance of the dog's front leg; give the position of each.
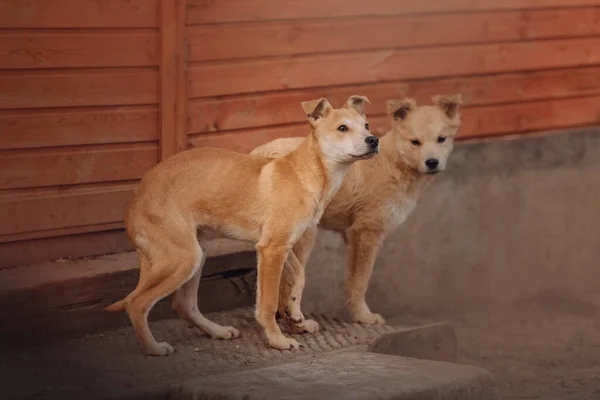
(270, 265)
(292, 310)
(363, 246)
(294, 279)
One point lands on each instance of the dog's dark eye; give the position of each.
(342, 128)
(367, 127)
(441, 139)
(415, 142)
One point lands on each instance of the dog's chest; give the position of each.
(399, 209)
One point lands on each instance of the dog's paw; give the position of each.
(309, 326)
(161, 349)
(225, 333)
(294, 314)
(280, 342)
(369, 319)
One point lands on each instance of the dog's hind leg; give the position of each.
(185, 304)
(138, 306)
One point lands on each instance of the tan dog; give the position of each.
(270, 202)
(377, 195)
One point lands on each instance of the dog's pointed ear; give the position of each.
(316, 109)
(450, 104)
(399, 109)
(358, 103)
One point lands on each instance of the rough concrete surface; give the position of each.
(346, 376)
(432, 342)
(111, 364)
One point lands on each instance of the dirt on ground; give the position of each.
(546, 348)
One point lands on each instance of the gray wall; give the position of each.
(510, 219)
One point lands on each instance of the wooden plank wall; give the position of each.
(94, 92)
(79, 94)
(521, 65)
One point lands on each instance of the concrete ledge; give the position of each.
(45, 302)
(355, 376)
(435, 342)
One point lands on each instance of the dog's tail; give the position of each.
(118, 306)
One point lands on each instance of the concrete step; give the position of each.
(64, 298)
(353, 375)
(111, 365)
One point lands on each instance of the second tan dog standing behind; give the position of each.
(376, 196)
(270, 202)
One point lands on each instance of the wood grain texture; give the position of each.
(251, 111)
(210, 11)
(107, 240)
(74, 88)
(253, 40)
(216, 79)
(173, 96)
(77, 48)
(530, 117)
(58, 232)
(75, 165)
(77, 126)
(78, 13)
(43, 209)
(245, 141)
(484, 121)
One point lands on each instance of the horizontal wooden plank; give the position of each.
(57, 232)
(230, 41)
(57, 49)
(493, 120)
(75, 165)
(78, 13)
(54, 247)
(530, 117)
(221, 78)
(247, 140)
(202, 11)
(44, 209)
(65, 127)
(240, 112)
(72, 88)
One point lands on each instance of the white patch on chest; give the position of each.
(399, 210)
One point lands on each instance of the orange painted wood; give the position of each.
(78, 13)
(224, 78)
(71, 246)
(77, 126)
(493, 120)
(173, 97)
(77, 48)
(75, 165)
(72, 88)
(240, 112)
(530, 117)
(229, 41)
(61, 232)
(202, 11)
(247, 140)
(53, 208)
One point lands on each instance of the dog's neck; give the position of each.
(317, 174)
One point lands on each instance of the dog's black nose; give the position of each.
(372, 141)
(432, 163)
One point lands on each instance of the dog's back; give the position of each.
(278, 147)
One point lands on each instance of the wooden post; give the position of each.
(172, 75)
